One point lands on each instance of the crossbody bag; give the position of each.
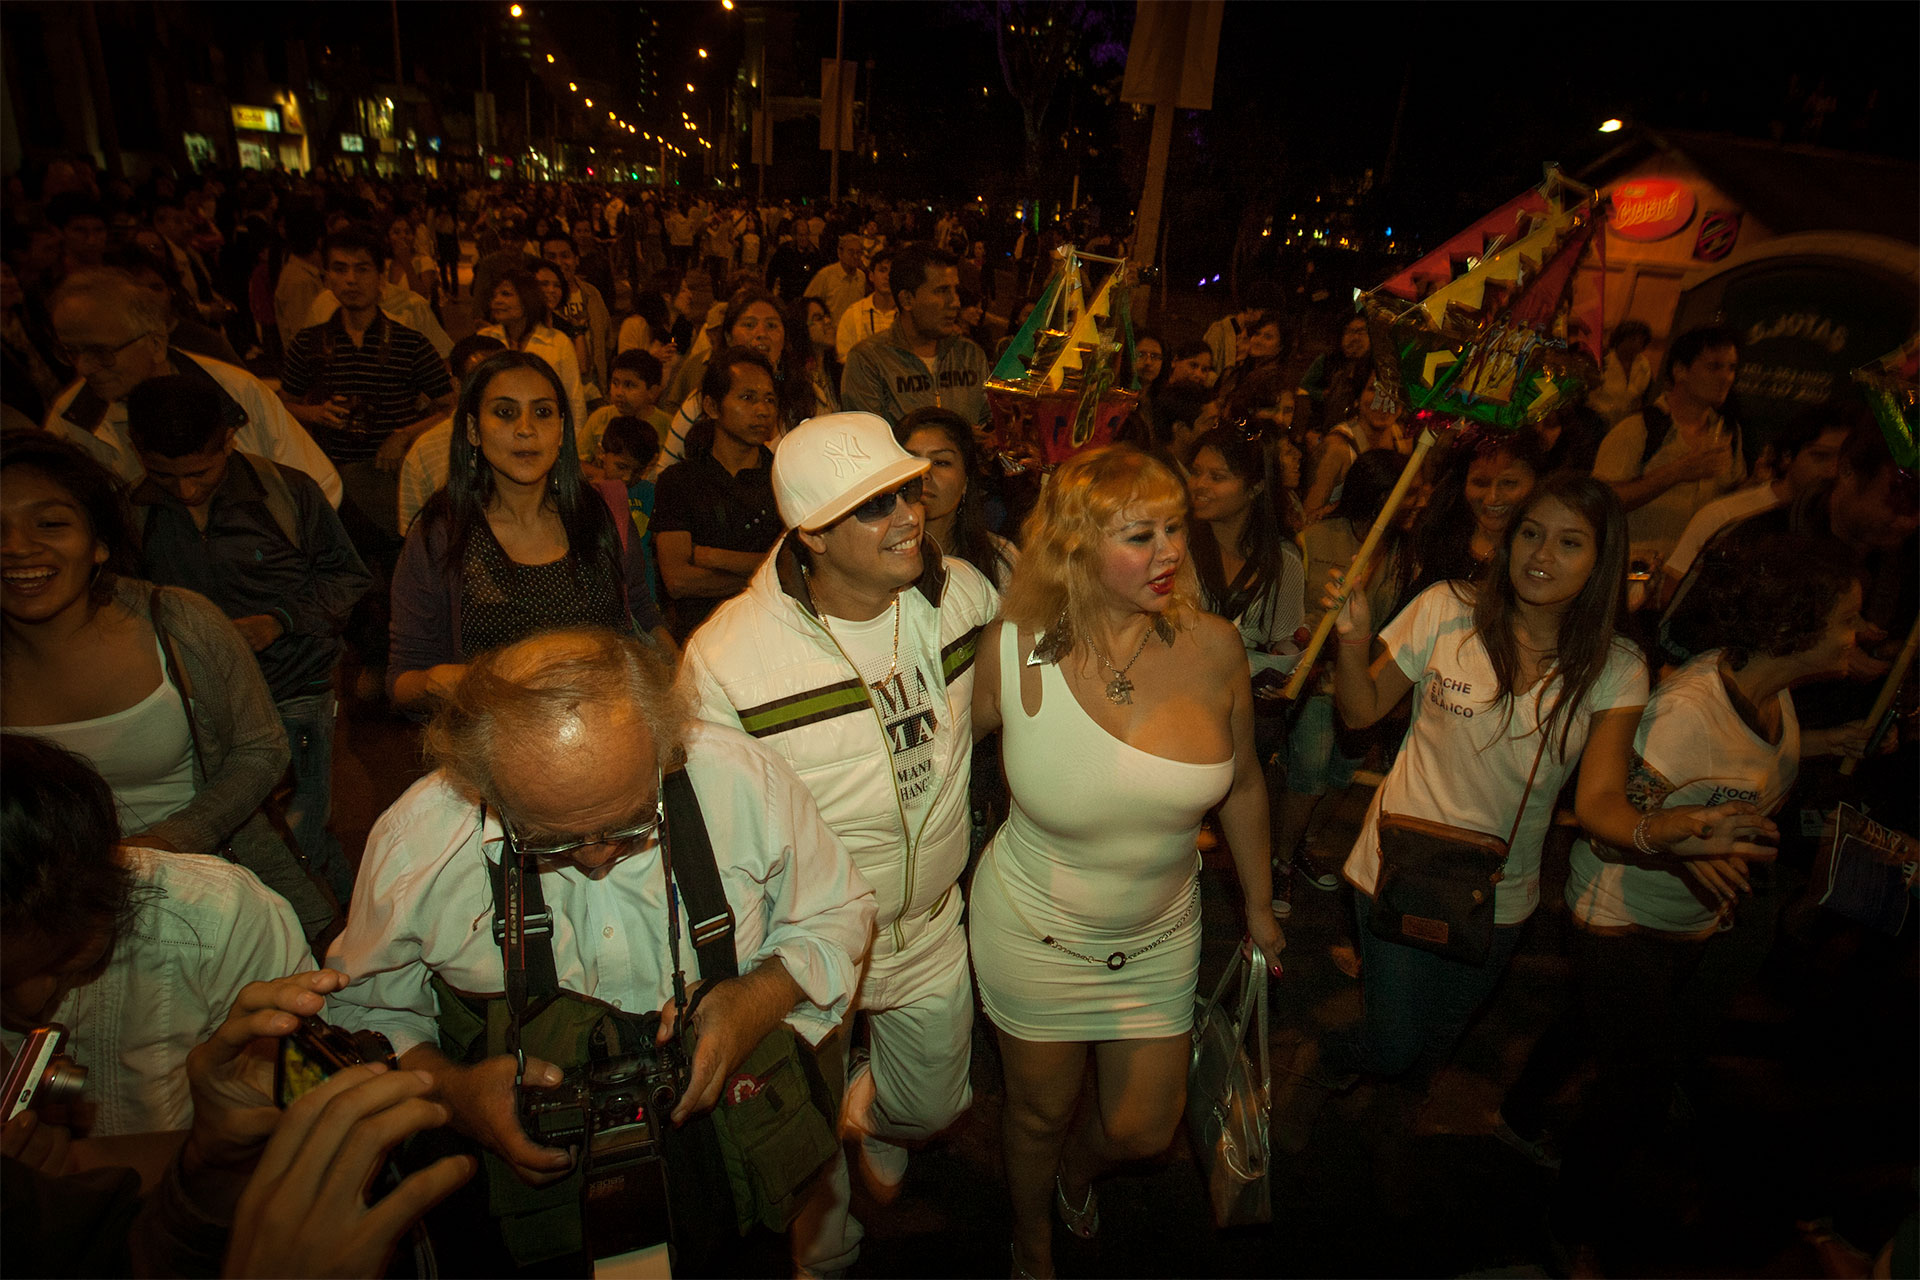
(1435, 888)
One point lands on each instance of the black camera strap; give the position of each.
(523, 926)
(698, 877)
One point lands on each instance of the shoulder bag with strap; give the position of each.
(1435, 887)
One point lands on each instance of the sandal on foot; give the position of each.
(1084, 1221)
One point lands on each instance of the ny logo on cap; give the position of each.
(846, 456)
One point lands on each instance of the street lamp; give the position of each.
(701, 52)
(1611, 126)
(515, 10)
(689, 86)
(572, 87)
(549, 58)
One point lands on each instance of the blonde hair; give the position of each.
(1057, 579)
(528, 691)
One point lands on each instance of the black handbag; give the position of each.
(1435, 887)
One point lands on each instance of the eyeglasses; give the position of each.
(639, 831)
(880, 505)
(95, 354)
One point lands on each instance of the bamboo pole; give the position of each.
(1888, 689)
(1362, 561)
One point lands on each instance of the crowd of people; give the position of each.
(713, 583)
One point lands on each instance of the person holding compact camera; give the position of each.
(593, 922)
(132, 956)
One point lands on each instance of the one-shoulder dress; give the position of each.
(1097, 854)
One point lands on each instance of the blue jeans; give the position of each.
(1418, 1004)
(309, 723)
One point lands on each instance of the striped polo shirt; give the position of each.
(384, 378)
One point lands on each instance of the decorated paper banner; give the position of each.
(1498, 343)
(1057, 388)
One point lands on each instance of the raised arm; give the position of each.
(1362, 692)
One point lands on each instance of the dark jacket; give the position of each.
(246, 562)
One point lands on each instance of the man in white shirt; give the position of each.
(873, 313)
(138, 953)
(558, 753)
(115, 334)
(1678, 454)
(840, 284)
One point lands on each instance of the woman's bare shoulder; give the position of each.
(1218, 641)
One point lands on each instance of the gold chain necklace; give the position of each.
(1120, 689)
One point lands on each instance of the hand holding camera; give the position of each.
(232, 1073)
(305, 1211)
(486, 1107)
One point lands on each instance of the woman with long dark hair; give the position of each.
(154, 686)
(754, 319)
(517, 542)
(1776, 612)
(1523, 682)
(1251, 573)
(1484, 477)
(956, 520)
(822, 360)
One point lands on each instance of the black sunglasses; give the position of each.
(880, 506)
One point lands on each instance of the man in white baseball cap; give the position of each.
(851, 653)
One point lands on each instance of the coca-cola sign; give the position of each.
(1649, 209)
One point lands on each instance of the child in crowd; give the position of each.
(628, 447)
(633, 386)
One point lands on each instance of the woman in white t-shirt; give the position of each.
(1522, 665)
(1721, 728)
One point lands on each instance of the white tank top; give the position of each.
(145, 753)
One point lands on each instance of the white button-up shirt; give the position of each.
(205, 929)
(423, 904)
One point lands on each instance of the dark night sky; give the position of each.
(1305, 93)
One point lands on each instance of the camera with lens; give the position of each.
(41, 1073)
(614, 1112)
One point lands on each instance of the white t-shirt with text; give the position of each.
(1692, 748)
(1467, 755)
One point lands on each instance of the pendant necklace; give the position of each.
(1120, 689)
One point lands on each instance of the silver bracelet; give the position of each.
(1640, 840)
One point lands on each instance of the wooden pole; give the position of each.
(1362, 561)
(839, 44)
(1888, 689)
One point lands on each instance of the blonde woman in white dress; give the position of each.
(1126, 713)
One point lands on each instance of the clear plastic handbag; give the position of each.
(1228, 1095)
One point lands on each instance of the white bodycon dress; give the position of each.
(1098, 854)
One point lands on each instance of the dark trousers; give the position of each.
(1418, 1004)
(1635, 997)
